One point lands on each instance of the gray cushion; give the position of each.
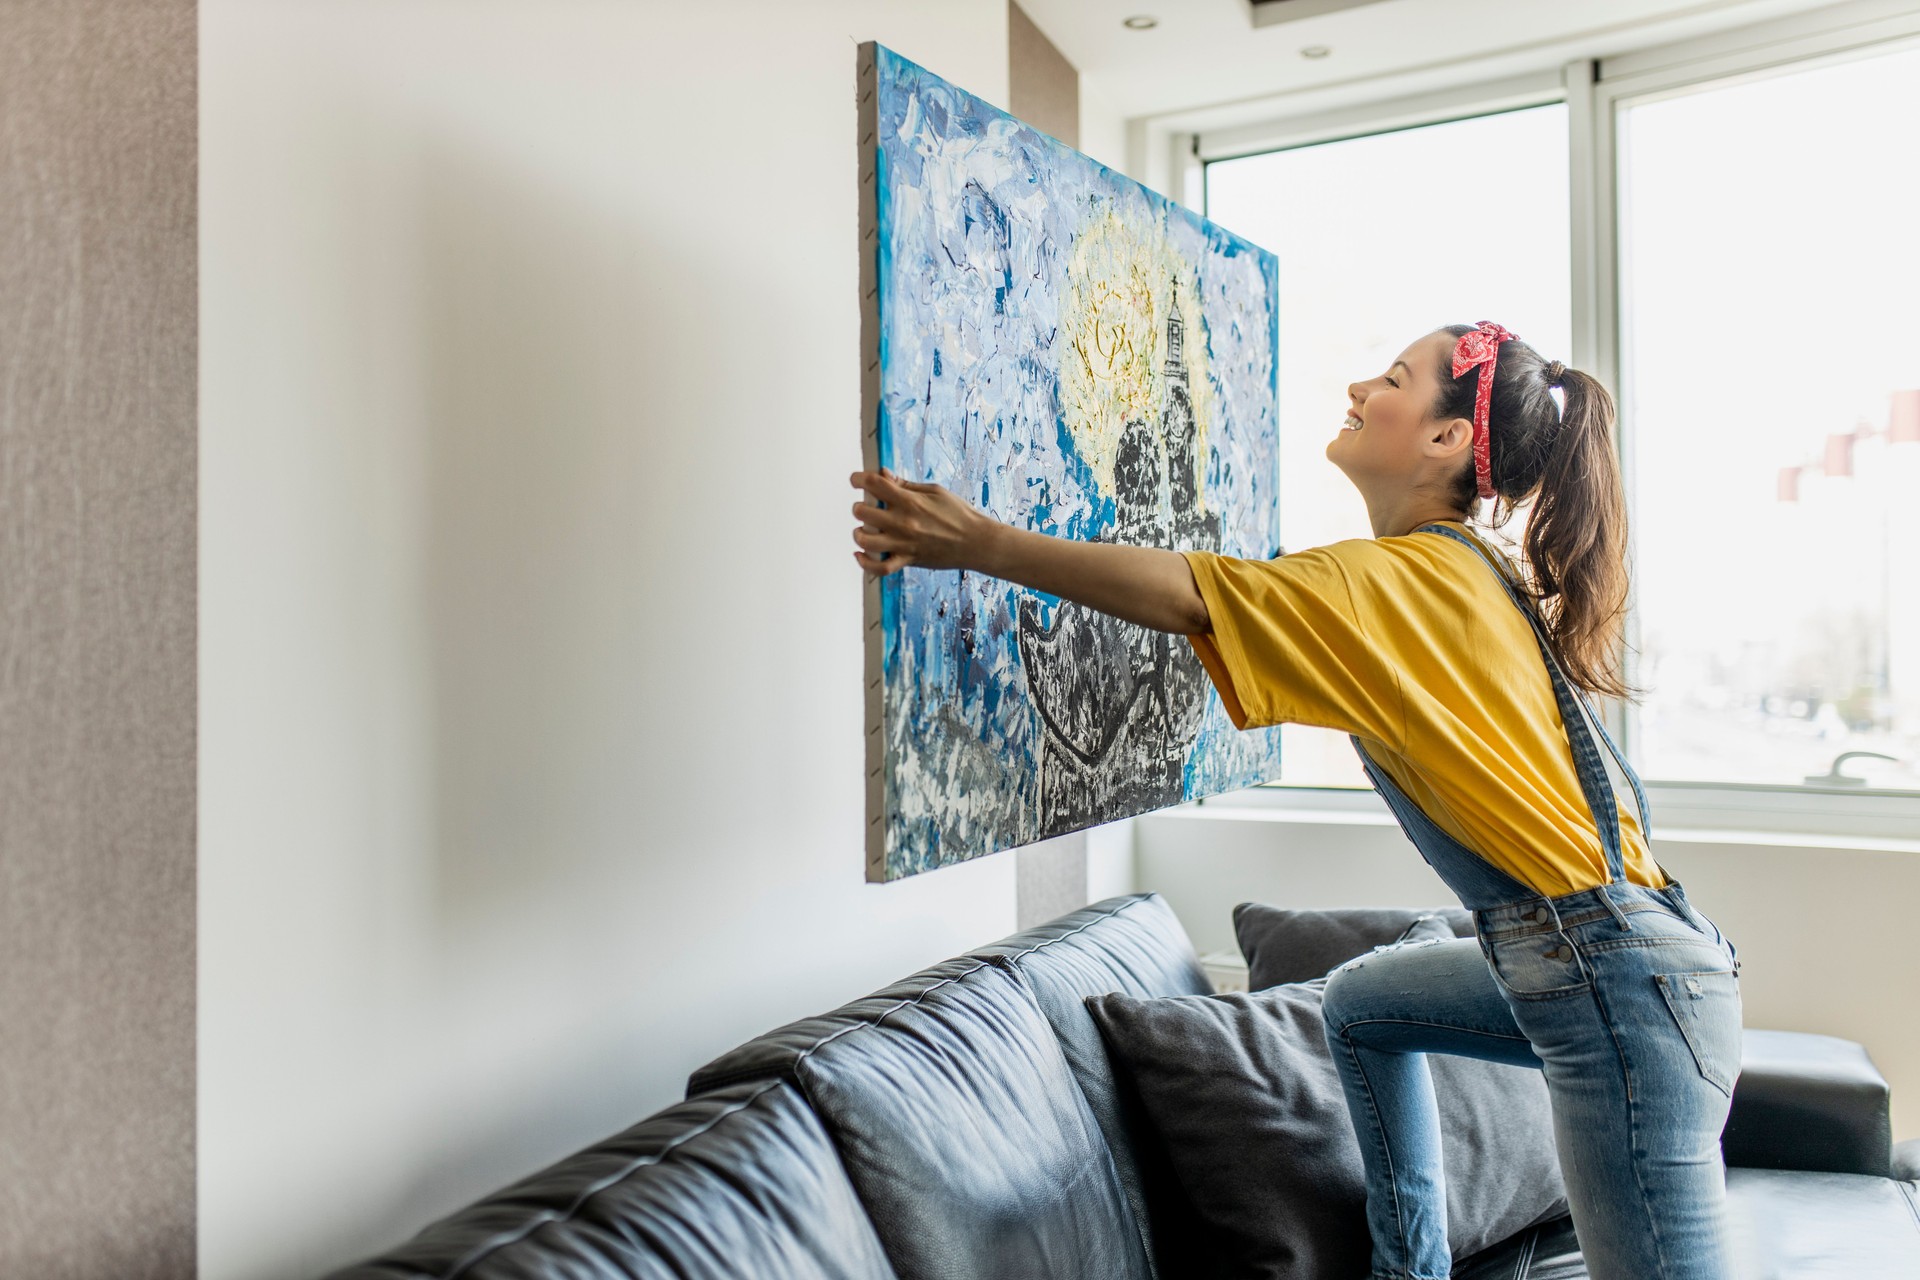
(1241, 1089)
(1282, 944)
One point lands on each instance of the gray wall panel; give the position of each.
(97, 638)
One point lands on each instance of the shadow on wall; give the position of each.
(557, 469)
(564, 759)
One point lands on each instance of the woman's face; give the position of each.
(1388, 440)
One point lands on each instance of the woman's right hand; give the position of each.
(924, 525)
(921, 524)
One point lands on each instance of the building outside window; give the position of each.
(1770, 305)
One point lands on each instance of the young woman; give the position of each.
(1463, 685)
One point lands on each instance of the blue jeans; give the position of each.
(1626, 997)
(1637, 1028)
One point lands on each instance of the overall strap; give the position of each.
(1582, 725)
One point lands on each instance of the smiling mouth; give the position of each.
(1351, 424)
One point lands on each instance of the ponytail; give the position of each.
(1562, 462)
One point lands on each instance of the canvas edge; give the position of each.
(866, 127)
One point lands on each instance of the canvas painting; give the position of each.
(1075, 354)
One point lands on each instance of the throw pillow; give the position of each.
(1242, 1092)
(1286, 945)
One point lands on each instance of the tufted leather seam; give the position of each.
(1019, 955)
(1910, 1192)
(1524, 1263)
(488, 1247)
(754, 1073)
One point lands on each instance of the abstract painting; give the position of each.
(1075, 354)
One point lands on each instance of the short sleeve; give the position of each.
(1284, 646)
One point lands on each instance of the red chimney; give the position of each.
(1839, 460)
(1903, 422)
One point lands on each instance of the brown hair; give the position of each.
(1565, 466)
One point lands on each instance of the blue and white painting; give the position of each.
(1073, 354)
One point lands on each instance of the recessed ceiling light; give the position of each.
(1140, 22)
(1315, 51)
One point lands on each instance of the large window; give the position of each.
(1723, 231)
(1382, 239)
(1770, 326)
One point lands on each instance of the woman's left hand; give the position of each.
(921, 524)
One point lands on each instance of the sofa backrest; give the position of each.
(742, 1181)
(1136, 945)
(960, 1123)
(972, 1146)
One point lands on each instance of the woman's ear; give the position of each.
(1450, 437)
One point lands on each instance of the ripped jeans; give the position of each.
(1637, 1031)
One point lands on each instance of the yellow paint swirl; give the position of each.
(1122, 283)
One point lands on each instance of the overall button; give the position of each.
(1539, 915)
(1561, 952)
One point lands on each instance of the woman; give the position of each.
(1462, 684)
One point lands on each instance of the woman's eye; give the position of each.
(1391, 382)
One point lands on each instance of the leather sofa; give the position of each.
(964, 1123)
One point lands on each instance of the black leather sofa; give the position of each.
(964, 1123)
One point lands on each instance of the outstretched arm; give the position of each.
(925, 525)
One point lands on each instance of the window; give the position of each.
(1380, 240)
(1721, 229)
(1769, 287)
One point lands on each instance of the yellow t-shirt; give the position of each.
(1412, 645)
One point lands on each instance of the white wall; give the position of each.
(530, 720)
(1824, 929)
(1103, 130)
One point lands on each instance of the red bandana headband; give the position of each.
(1480, 347)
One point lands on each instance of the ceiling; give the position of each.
(1210, 53)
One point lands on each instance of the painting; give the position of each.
(1074, 354)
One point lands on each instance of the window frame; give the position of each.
(1595, 91)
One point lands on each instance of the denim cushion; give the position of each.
(1242, 1089)
(1284, 944)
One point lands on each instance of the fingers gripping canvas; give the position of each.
(1074, 354)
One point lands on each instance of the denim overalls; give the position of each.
(1626, 997)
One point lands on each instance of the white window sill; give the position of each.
(1779, 818)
